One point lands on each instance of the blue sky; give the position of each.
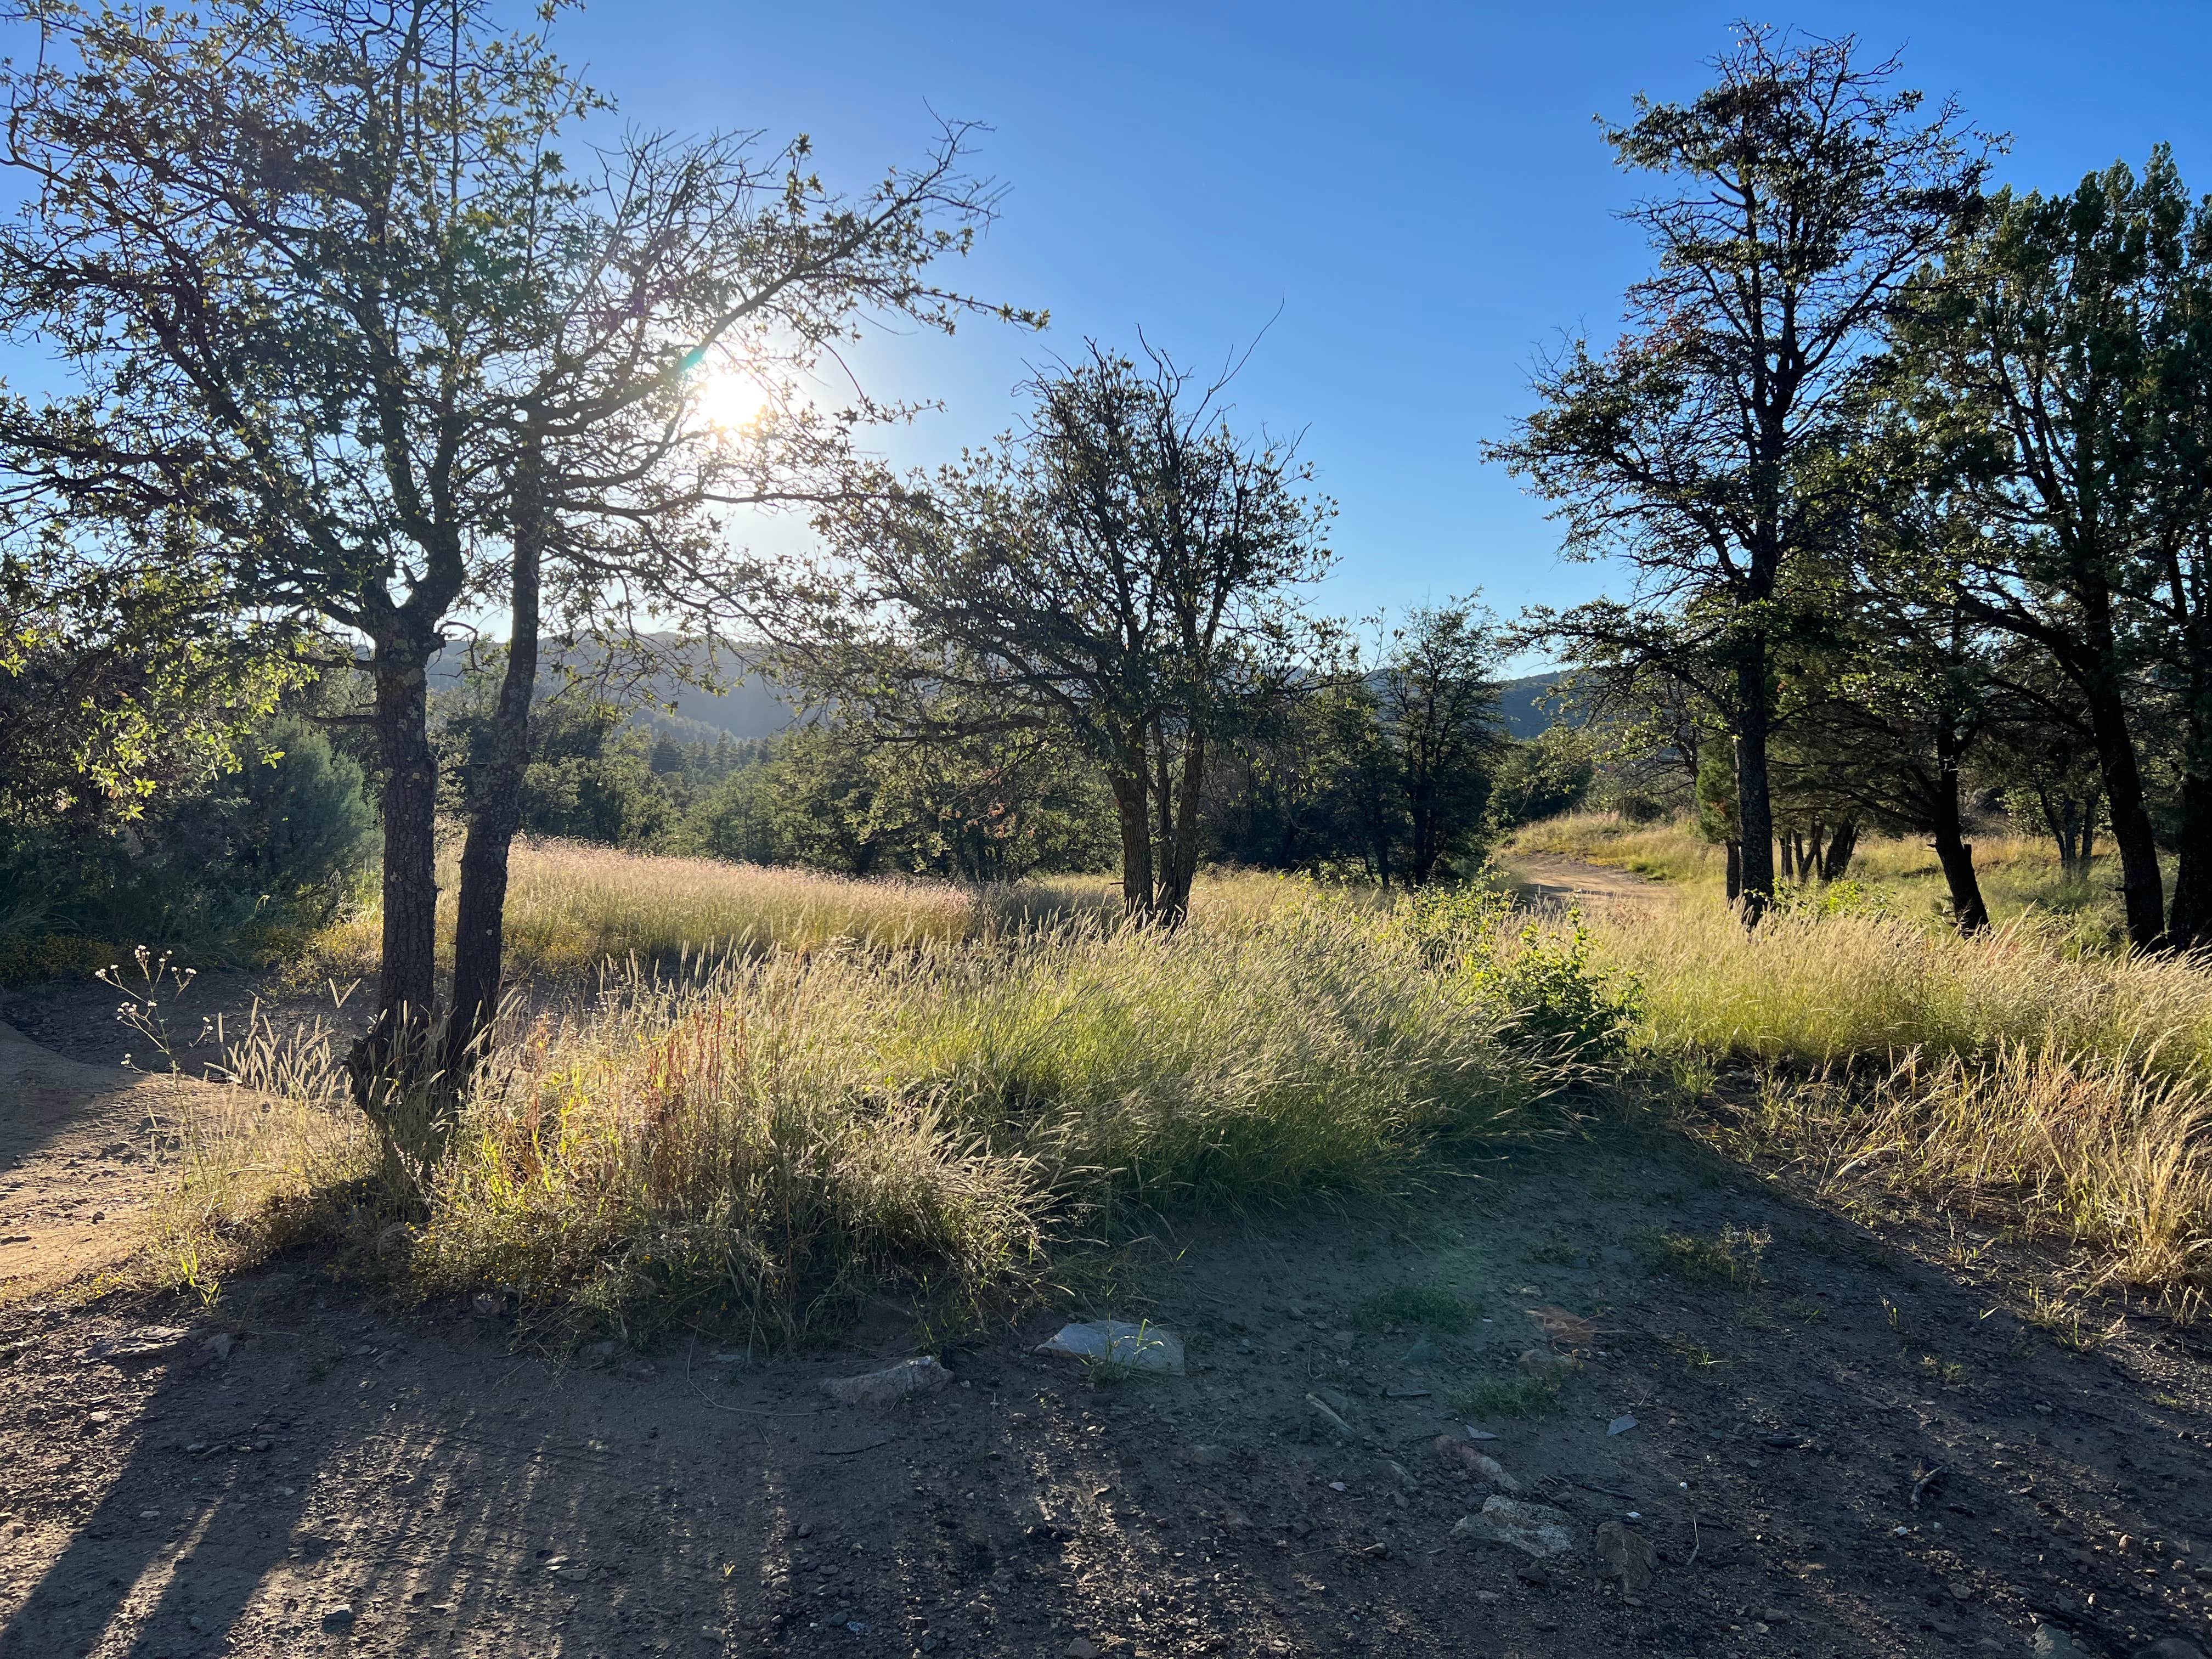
(1420, 190)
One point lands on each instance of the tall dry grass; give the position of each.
(2069, 1095)
(2019, 874)
(754, 1143)
(571, 906)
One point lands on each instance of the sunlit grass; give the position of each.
(754, 1143)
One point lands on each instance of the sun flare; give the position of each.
(729, 400)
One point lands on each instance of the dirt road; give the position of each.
(1554, 877)
(1840, 1445)
(81, 1148)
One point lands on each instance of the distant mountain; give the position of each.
(1527, 704)
(751, 707)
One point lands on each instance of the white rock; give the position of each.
(1620, 1424)
(1115, 1342)
(908, 1377)
(1537, 1529)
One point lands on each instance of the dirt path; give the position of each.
(1555, 877)
(80, 1151)
(299, 1474)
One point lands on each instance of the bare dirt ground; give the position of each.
(1554, 877)
(80, 1149)
(1845, 1442)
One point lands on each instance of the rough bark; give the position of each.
(2142, 887)
(1131, 809)
(1735, 871)
(407, 979)
(1841, 845)
(1755, 800)
(2189, 921)
(1179, 855)
(1956, 854)
(495, 809)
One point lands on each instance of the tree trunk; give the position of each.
(1735, 871)
(1132, 809)
(2189, 923)
(1842, 841)
(389, 1061)
(2143, 889)
(1754, 804)
(407, 977)
(1180, 856)
(495, 798)
(1952, 850)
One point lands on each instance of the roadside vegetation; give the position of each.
(751, 1141)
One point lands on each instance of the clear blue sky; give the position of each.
(1421, 191)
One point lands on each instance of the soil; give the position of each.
(1846, 1441)
(1552, 878)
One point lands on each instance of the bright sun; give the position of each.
(729, 399)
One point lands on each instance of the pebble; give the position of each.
(338, 1618)
(1620, 1424)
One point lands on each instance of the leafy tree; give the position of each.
(2029, 362)
(335, 304)
(122, 676)
(1436, 693)
(1122, 574)
(1548, 774)
(1804, 192)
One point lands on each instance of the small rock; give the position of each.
(484, 1305)
(2051, 1643)
(1116, 1342)
(2169, 1647)
(148, 1342)
(1422, 1352)
(1620, 1424)
(1082, 1648)
(929, 1641)
(908, 1377)
(1480, 1464)
(339, 1617)
(214, 1350)
(1488, 1598)
(597, 1353)
(858, 1626)
(1529, 1573)
(1404, 1394)
(149, 1515)
(1479, 1434)
(1536, 1529)
(1205, 1456)
(1320, 1409)
(1627, 1555)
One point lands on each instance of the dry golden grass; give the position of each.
(751, 1142)
(571, 906)
(2019, 874)
(2010, 1074)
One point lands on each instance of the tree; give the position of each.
(1436, 691)
(2029, 364)
(332, 299)
(1807, 192)
(1123, 573)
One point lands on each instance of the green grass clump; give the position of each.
(1427, 1305)
(751, 1145)
(1730, 1257)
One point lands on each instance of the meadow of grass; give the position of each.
(2027, 1073)
(752, 1141)
(2019, 874)
(791, 1087)
(573, 906)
